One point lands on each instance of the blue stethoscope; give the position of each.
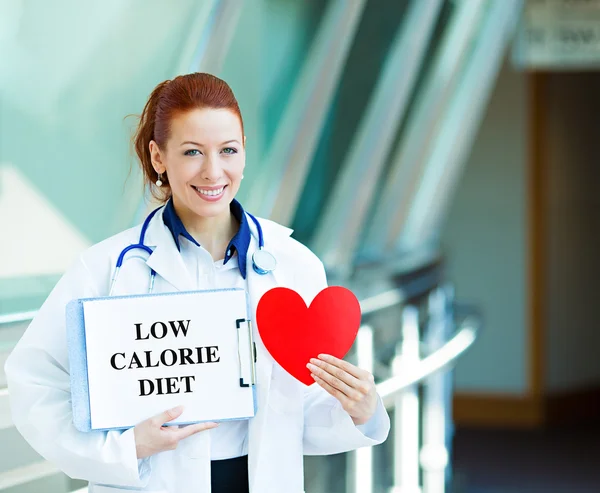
(263, 262)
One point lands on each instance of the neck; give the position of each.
(213, 233)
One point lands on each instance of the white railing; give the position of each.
(14, 318)
(416, 456)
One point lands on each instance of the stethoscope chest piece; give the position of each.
(263, 262)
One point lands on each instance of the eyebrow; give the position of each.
(200, 145)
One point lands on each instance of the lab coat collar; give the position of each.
(166, 260)
(271, 232)
(168, 263)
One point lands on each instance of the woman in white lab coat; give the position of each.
(191, 146)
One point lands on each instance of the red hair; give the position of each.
(169, 98)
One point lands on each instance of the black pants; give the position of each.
(229, 475)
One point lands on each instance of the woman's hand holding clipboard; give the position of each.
(151, 437)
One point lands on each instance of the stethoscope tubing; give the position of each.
(261, 270)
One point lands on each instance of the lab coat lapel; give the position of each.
(258, 285)
(166, 259)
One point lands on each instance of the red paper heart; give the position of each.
(293, 333)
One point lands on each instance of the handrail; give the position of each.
(12, 318)
(369, 305)
(372, 304)
(410, 279)
(386, 299)
(444, 356)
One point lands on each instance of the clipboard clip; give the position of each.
(252, 349)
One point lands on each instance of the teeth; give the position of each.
(210, 193)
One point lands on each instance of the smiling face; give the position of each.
(204, 159)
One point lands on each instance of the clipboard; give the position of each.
(152, 352)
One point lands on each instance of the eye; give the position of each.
(230, 150)
(192, 152)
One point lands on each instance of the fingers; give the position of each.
(166, 416)
(182, 431)
(190, 430)
(355, 371)
(338, 379)
(339, 395)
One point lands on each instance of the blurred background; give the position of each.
(440, 156)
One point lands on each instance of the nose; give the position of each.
(211, 169)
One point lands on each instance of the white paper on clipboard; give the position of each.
(148, 353)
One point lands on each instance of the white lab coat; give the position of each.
(292, 420)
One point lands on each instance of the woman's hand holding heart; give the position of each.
(352, 386)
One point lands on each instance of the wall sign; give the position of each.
(559, 35)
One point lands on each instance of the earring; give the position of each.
(159, 181)
(242, 177)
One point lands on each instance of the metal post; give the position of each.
(406, 409)
(360, 477)
(434, 455)
(449, 328)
